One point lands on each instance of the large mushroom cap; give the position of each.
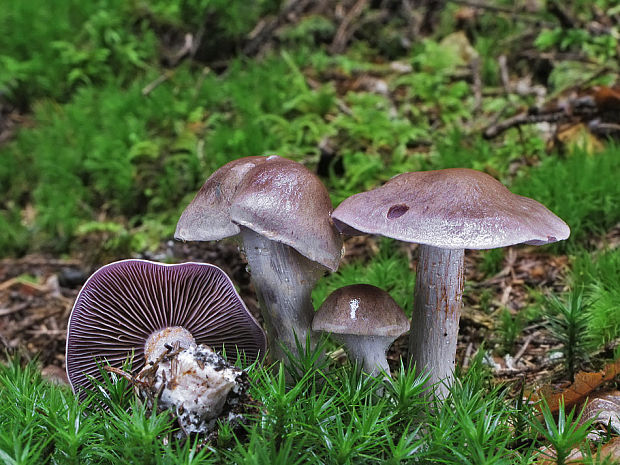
(207, 217)
(454, 208)
(123, 303)
(361, 310)
(285, 202)
(273, 196)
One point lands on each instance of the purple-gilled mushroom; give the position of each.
(366, 320)
(281, 212)
(147, 309)
(446, 212)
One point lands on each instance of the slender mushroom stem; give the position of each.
(436, 312)
(367, 351)
(283, 279)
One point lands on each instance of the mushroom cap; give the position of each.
(273, 196)
(123, 303)
(455, 208)
(207, 217)
(285, 202)
(361, 310)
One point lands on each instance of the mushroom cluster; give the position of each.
(170, 318)
(281, 212)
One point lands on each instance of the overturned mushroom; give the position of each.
(445, 211)
(281, 211)
(165, 315)
(366, 320)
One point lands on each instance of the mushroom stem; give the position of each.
(283, 279)
(436, 311)
(367, 351)
(158, 342)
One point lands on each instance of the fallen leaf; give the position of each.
(579, 390)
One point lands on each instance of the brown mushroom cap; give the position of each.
(123, 303)
(454, 208)
(361, 310)
(207, 217)
(274, 196)
(285, 202)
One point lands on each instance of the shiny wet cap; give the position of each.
(273, 196)
(207, 217)
(454, 208)
(361, 310)
(285, 202)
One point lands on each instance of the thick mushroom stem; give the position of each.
(158, 343)
(436, 311)
(368, 351)
(283, 279)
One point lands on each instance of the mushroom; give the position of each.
(366, 320)
(281, 211)
(144, 308)
(445, 211)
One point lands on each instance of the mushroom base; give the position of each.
(283, 279)
(436, 312)
(198, 385)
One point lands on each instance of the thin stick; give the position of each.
(153, 85)
(523, 348)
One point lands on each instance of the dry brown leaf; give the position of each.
(580, 389)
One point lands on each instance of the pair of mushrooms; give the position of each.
(283, 214)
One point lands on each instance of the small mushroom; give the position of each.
(144, 308)
(445, 211)
(281, 212)
(366, 320)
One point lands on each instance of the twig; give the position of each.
(15, 309)
(522, 15)
(475, 69)
(523, 348)
(154, 84)
(347, 27)
(579, 107)
(467, 357)
(503, 73)
(260, 34)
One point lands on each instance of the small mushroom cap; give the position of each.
(454, 208)
(122, 304)
(285, 202)
(207, 217)
(361, 310)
